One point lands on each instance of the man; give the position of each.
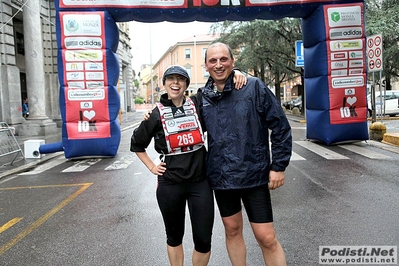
(238, 161)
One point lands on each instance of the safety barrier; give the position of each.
(8, 143)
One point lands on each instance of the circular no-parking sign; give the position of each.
(374, 52)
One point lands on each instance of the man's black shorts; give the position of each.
(256, 201)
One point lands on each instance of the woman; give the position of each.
(176, 128)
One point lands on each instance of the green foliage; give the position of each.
(136, 83)
(382, 18)
(265, 47)
(138, 100)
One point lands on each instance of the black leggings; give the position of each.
(172, 198)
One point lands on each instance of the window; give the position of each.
(188, 72)
(20, 43)
(203, 52)
(205, 73)
(187, 53)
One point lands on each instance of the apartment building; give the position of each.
(188, 53)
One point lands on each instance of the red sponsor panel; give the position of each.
(85, 110)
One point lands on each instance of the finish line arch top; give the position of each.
(88, 68)
(198, 10)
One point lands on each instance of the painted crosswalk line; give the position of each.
(364, 152)
(123, 163)
(321, 151)
(82, 165)
(45, 167)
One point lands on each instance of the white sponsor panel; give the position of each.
(355, 71)
(347, 82)
(74, 66)
(74, 76)
(94, 75)
(94, 84)
(76, 85)
(356, 63)
(86, 105)
(344, 16)
(340, 72)
(346, 45)
(82, 24)
(83, 55)
(346, 33)
(83, 43)
(351, 91)
(89, 94)
(356, 55)
(94, 66)
(339, 64)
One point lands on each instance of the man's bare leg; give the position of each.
(272, 251)
(235, 243)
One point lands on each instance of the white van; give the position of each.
(389, 107)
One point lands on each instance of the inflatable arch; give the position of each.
(87, 37)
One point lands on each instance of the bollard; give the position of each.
(377, 131)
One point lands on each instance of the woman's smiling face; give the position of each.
(175, 86)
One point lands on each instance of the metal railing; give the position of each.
(8, 143)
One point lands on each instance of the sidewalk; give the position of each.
(391, 137)
(129, 120)
(20, 164)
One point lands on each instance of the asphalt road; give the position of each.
(104, 212)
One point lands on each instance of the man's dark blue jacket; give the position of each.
(238, 124)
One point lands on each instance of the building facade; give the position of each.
(28, 55)
(188, 53)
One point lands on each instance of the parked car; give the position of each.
(289, 105)
(391, 102)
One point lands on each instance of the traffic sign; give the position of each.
(374, 53)
(299, 54)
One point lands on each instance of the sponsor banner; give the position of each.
(74, 76)
(86, 66)
(340, 16)
(83, 43)
(347, 82)
(346, 33)
(347, 45)
(83, 55)
(74, 66)
(340, 72)
(82, 24)
(339, 64)
(76, 85)
(339, 56)
(84, 95)
(346, 67)
(85, 110)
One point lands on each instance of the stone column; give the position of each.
(38, 123)
(34, 61)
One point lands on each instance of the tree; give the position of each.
(264, 47)
(382, 18)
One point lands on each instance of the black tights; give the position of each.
(172, 198)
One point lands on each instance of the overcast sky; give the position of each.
(160, 36)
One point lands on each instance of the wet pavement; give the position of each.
(128, 120)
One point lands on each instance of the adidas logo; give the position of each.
(178, 113)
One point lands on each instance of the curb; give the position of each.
(44, 159)
(391, 138)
